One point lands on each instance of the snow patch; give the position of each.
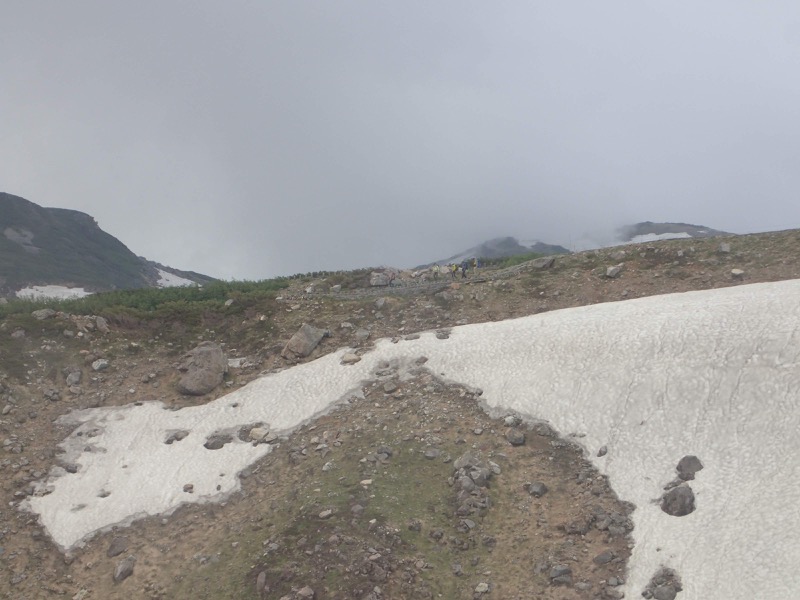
(167, 279)
(654, 237)
(58, 292)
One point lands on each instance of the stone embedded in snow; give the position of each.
(176, 436)
(603, 451)
(203, 369)
(664, 585)
(217, 441)
(350, 358)
(614, 272)
(688, 466)
(679, 501)
(304, 341)
(259, 434)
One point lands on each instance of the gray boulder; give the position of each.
(203, 369)
(73, 375)
(304, 341)
(377, 279)
(679, 501)
(124, 569)
(101, 324)
(101, 364)
(688, 466)
(44, 313)
(545, 262)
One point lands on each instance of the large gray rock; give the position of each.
(545, 262)
(679, 501)
(101, 324)
(379, 279)
(203, 368)
(44, 313)
(304, 341)
(124, 569)
(688, 466)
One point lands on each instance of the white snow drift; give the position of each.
(58, 292)
(167, 279)
(711, 373)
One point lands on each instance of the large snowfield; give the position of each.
(712, 373)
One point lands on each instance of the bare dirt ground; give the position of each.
(367, 501)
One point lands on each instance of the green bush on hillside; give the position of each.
(157, 302)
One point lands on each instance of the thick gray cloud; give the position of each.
(251, 139)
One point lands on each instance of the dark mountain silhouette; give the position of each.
(57, 246)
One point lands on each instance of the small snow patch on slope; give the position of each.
(166, 279)
(654, 237)
(58, 292)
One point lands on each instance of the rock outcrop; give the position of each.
(203, 369)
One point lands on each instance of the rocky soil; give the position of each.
(411, 490)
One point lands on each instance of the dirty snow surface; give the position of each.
(712, 373)
(59, 292)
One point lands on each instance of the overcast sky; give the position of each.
(252, 139)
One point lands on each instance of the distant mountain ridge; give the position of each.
(645, 231)
(502, 247)
(56, 246)
(638, 231)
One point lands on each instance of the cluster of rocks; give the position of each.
(84, 324)
(471, 480)
(678, 499)
(664, 585)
